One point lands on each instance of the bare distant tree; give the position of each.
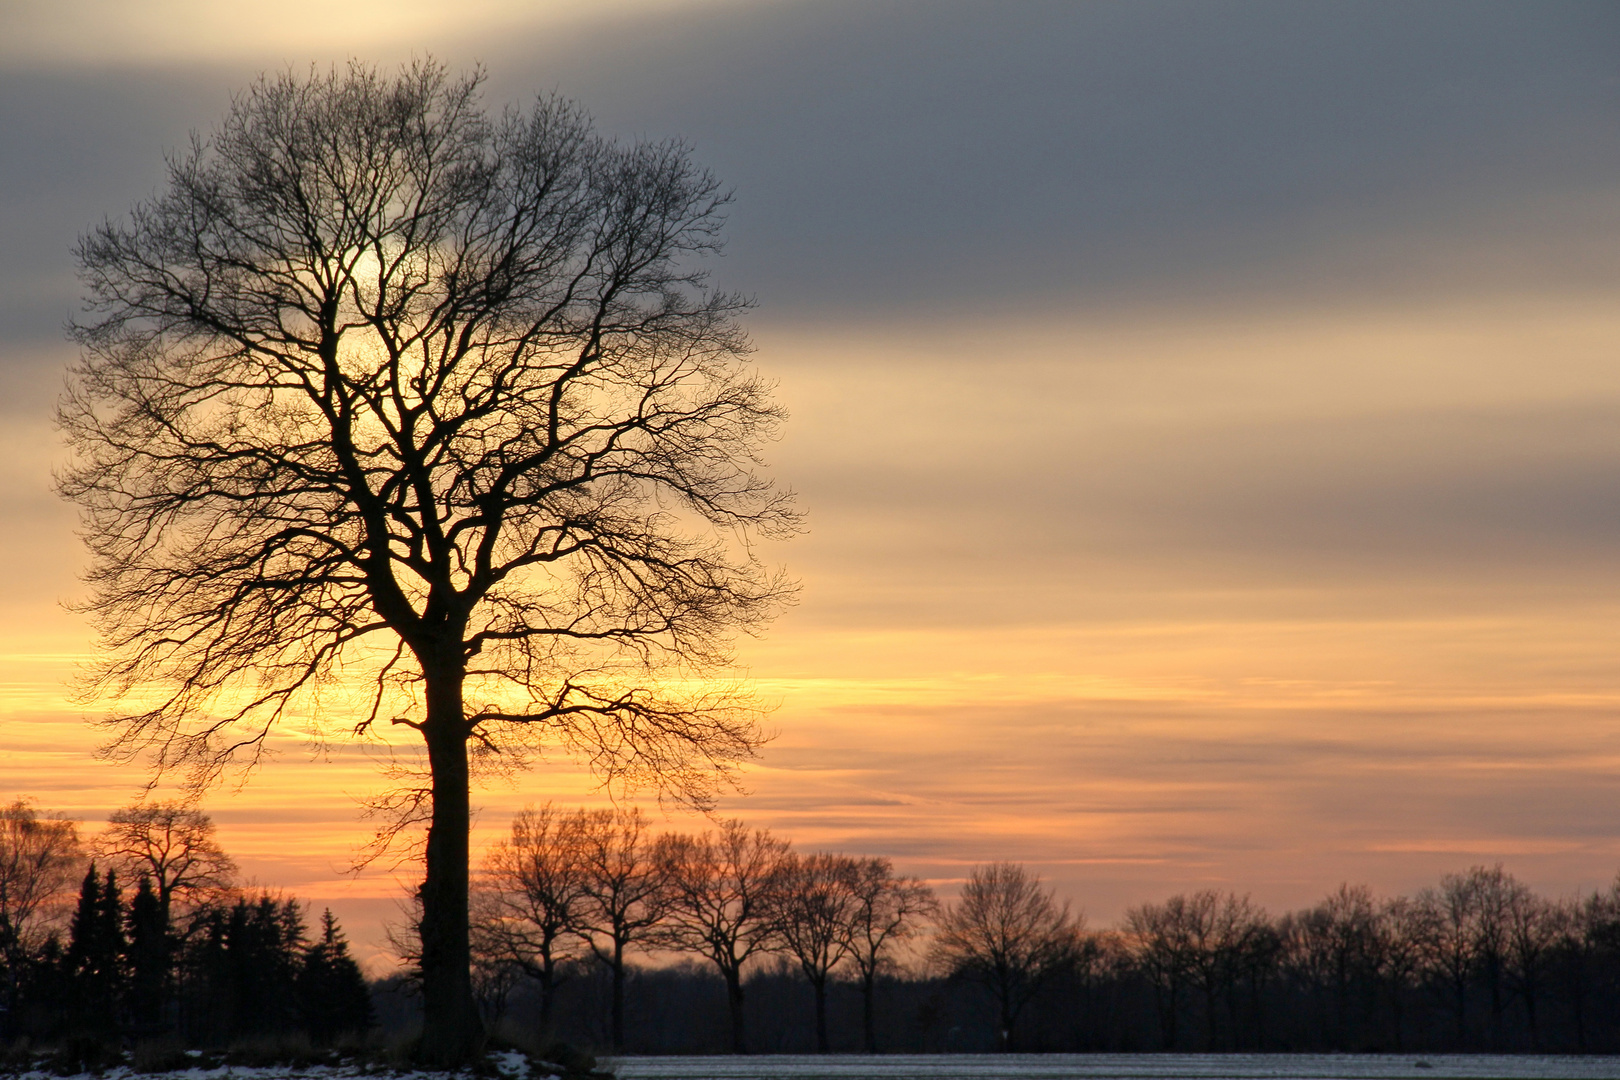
(1495, 895)
(889, 911)
(724, 902)
(1534, 926)
(171, 843)
(1165, 941)
(1449, 915)
(1248, 947)
(1406, 943)
(624, 893)
(41, 859)
(381, 388)
(531, 896)
(40, 863)
(1588, 927)
(1010, 935)
(1336, 948)
(1192, 927)
(818, 908)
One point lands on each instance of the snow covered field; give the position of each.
(1123, 1066)
(976, 1067)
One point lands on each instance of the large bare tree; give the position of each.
(381, 388)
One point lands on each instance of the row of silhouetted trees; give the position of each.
(591, 928)
(180, 953)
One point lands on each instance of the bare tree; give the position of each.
(888, 912)
(1208, 934)
(1406, 945)
(528, 906)
(1453, 941)
(1588, 927)
(1246, 948)
(1008, 934)
(171, 843)
(818, 908)
(1336, 947)
(1495, 895)
(383, 392)
(724, 902)
(1163, 948)
(40, 863)
(1534, 926)
(624, 893)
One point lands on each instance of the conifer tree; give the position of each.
(149, 958)
(264, 947)
(204, 1000)
(94, 958)
(332, 991)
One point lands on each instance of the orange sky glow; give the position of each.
(1245, 586)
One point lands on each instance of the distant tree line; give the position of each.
(592, 929)
(141, 933)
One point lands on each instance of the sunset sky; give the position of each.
(1207, 417)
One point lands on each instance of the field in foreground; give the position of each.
(1122, 1066)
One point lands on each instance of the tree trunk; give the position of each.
(1578, 1008)
(821, 1014)
(618, 995)
(868, 1017)
(1397, 1014)
(1004, 998)
(734, 998)
(1461, 989)
(1497, 1008)
(548, 992)
(452, 1033)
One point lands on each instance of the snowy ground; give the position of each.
(1122, 1066)
(508, 1066)
(975, 1067)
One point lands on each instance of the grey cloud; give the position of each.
(930, 155)
(77, 146)
(915, 157)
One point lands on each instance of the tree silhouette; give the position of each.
(39, 858)
(150, 957)
(332, 993)
(94, 959)
(817, 920)
(888, 910)
(625, 894)
(1008, 934)
(725, 902)
(531, 896)
(173, 845)
(381, 385)
(1335, 949)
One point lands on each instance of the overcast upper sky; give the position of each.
(1206, 413)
